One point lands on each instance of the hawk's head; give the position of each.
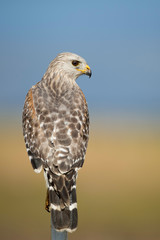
(71, 64)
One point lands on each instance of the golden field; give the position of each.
(118, 186)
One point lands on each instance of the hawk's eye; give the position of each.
(75, 63)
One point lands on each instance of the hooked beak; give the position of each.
(86, 71)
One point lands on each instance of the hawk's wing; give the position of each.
(56, 126)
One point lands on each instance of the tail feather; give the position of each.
(63, 201)
(64, 218)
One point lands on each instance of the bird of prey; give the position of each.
(56, 131)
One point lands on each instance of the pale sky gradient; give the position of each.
(119, 39)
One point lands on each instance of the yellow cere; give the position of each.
(84, 70)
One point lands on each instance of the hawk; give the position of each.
(56, 131)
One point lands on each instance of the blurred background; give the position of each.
(119, 185)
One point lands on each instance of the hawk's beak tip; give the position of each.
(88, 71)
(89, 74)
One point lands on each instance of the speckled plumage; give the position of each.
(56, 130)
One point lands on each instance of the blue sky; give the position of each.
(119, 39)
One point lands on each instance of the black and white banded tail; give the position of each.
(62, 200)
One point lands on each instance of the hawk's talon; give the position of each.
(47, 202)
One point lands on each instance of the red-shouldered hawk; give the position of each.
(56, 131)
